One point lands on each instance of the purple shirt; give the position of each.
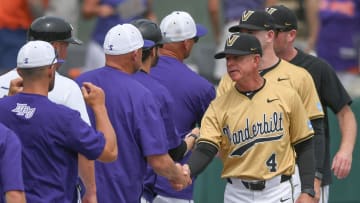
(233, 9)
(192, 95)
(104, 24)
(52, 135)
(339, 35)
(166, 105)
(11, 177)
(135, 117)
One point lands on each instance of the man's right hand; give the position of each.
(16, 86)
(93, 95)
(183, 180)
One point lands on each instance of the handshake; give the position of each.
(182, 179)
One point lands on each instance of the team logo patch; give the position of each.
(231, 40)
(24, 110)
(270, 10)
(318, 104)
(246, 15)
(309, 124)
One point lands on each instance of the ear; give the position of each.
(19, 72)
(292, 35)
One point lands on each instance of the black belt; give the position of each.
(259, 185)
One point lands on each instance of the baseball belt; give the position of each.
(259, 185)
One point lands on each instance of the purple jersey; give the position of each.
(339, 35)
(135, 117)
(166, 105)
(233, 9)
(52, 135)
(192, 95)
(104, 24)
(11, 177)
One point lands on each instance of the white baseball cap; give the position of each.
(123, 39)
(36, 54)
(179, 26)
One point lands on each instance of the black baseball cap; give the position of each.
(240, 44)
(254, 20)
(285, 19)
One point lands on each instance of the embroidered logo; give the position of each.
(24, 110)
(246, 15)
(270, 10)
(231, 40)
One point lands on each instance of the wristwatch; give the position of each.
(309, 191)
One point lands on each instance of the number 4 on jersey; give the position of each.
(271, 163)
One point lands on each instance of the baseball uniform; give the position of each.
(192, 94)
(332, 95)
(137, 121)
(255, 135)
(288, 75)
(11, 177)
(51, 135)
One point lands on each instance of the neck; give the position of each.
(268, 59)
(122, 63)
(146, 65)
(39, 87)
(172, 51)
(250, 84)
(288, 54)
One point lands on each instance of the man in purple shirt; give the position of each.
(136, 118)
(177, 147)
(11, 178)
(192, 93)
(52, 135)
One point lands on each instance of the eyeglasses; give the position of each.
(196, 39)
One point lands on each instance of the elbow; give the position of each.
(109, 155)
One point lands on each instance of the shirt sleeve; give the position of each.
(309, 96)
(82, 138)
(300, 125)
(210, 131)
(150, 130)
(11, 176)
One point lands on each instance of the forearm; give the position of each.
(87, 174)
(348, 128)
(201, 157)
(164, 166)
(104, 125)
(15, 196)
(319, 145)
(305, 161)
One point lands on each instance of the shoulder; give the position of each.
(65, 82)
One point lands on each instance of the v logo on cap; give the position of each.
(246, 15)
(231, 40)
(271, 10)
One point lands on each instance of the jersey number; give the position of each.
(271, 163)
